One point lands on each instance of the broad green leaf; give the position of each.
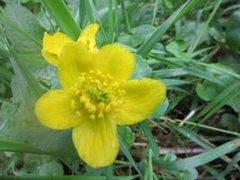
(206, 91)
(27, 77)
(177, 48)
(51, 168)
(233, 28)
(230, 122)
(142, 69)
(187, 174)
(217, 34)
(22, 29)
(138, 36)
(38, 165)
(127, 135)
(161, 109)
(235, 103)
(23, 126)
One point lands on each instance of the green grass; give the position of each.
(192, 46)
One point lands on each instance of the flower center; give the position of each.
(96, 94)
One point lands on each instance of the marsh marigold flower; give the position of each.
(97, 94)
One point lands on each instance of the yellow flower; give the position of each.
(53, 45)
(96, 96)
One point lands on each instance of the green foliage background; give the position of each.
(192, 46)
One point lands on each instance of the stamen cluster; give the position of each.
(96, 93)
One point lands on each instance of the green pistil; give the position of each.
(98, 95)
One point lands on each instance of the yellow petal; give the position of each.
(96, 142)
(74, 60)
(117, 61)
(111, 59)
(54, 110)
(52, 46)
(87, 37)
(140, 101)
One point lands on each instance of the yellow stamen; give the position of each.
(96, 93)
(78, 113)
(73, 104)
(92, 117)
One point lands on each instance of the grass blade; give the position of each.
(60, 13)
(227, 94)
(201, 159)
(199, 36)
(147, 131)
(211, 170)
(20, 147)
(112, 19)
(21, 69)
(8, 166)
(5, 73)
(189, 67)
(91, 11)
(125, 151)
(82, 14)
(109, 172)
(222, 70)
(19, 29)
(93, 15)
(150, 43)
(230, 166)
(125, 16)
(197, 139)
(69, 178)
